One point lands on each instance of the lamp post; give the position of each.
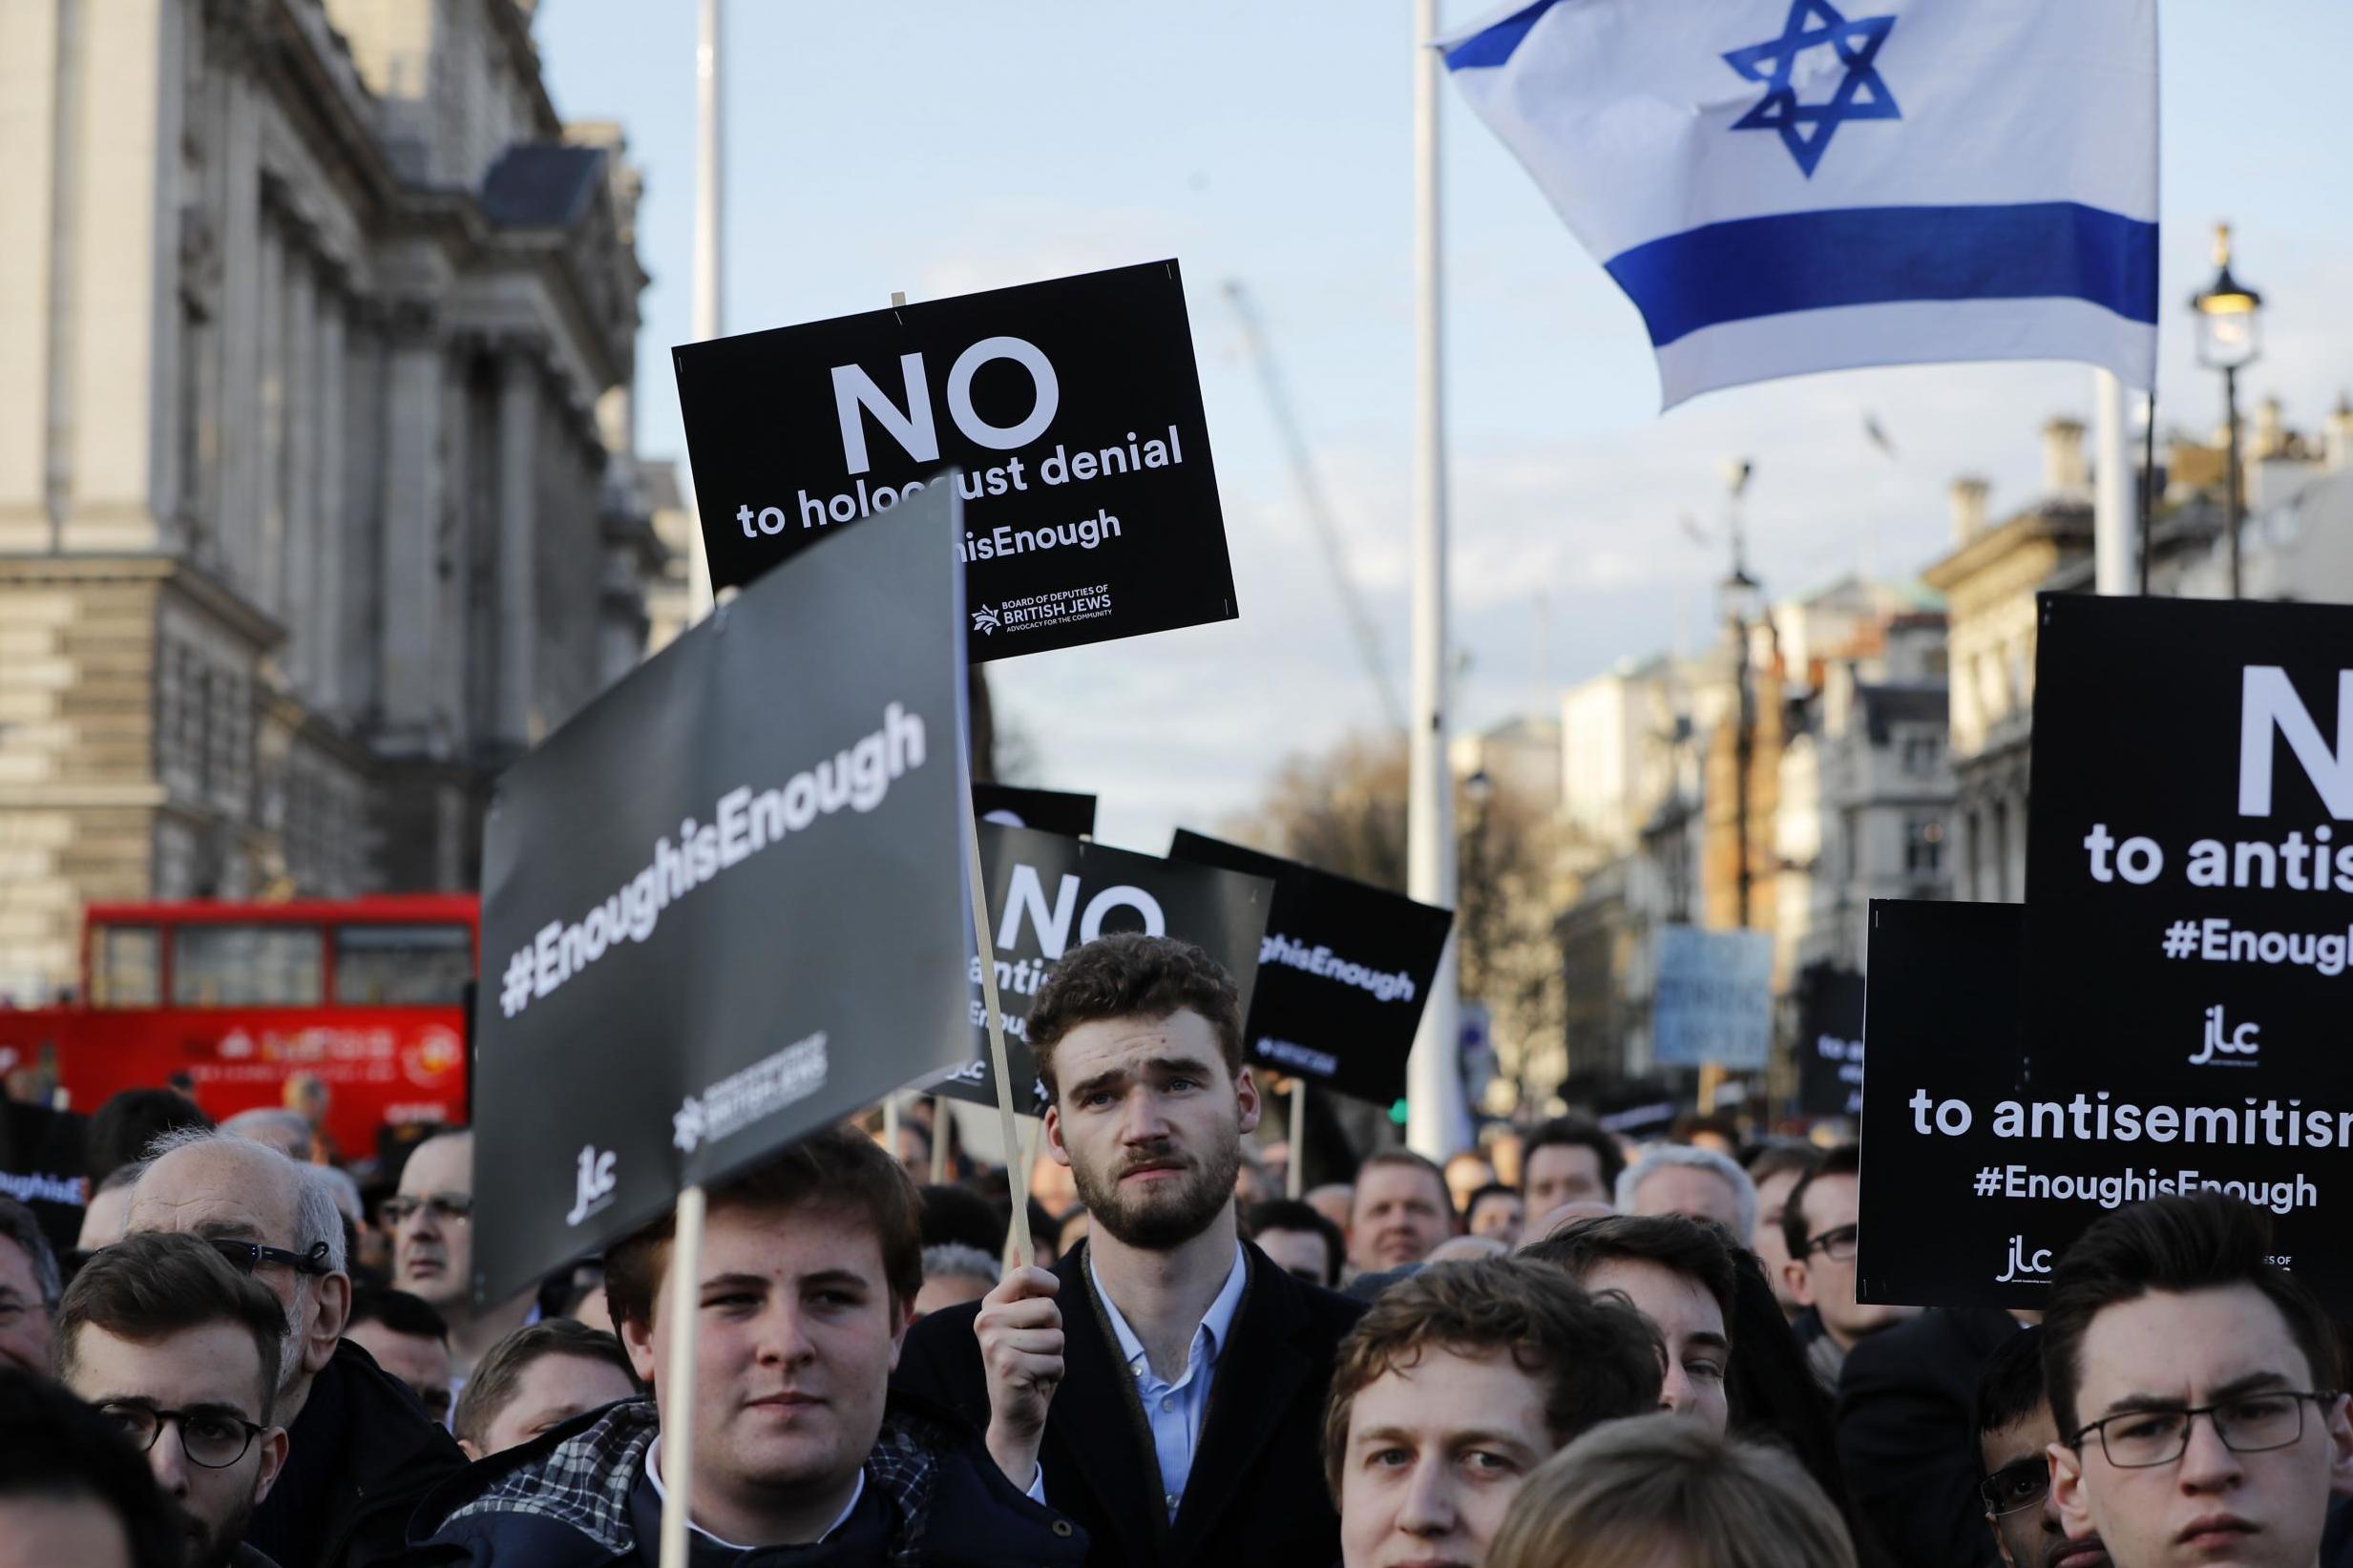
(2229, 339)
(1742, 595)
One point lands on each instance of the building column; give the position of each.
(240, 308)
(264, 580)
(518, 630)
(322, 625)
(297, 576)
(410, 582)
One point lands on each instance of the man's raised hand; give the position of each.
(1020, 1333)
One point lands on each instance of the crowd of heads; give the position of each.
(1571, 1350)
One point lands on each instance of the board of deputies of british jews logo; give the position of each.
(1059, 608)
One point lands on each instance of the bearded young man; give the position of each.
(1164, 1385)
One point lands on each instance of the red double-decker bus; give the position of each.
(233, 1000)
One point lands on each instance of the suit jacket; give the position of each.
(1256, 1492)
(1907, 1435)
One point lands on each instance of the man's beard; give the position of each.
(209, 1547)
(1162, 1215)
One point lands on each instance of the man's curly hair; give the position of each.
(1130, 975)
(1598, 1359)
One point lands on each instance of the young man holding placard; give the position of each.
(801, 1455)
(1164, 1382)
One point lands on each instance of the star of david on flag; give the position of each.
(1789, 186)
(1806, 128)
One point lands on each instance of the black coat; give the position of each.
(1256, 1494)
(1907, 1435)
(358, 1459)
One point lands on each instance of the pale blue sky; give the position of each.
(937, 146)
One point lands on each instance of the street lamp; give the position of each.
(1743, 600)
(2229, 339)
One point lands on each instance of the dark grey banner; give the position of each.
(1343, 974)
(1048, 894)
(725, 904)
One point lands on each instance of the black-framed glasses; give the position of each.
(2251, 1423)
(2023, 1483)
(1836, 1243)
(446, 1207)
(211, 1438)
(249, 1256)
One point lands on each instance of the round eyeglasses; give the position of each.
(212, 1438)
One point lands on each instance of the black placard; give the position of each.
(1343, 973)
(1829, 1046)
(41, 1166)
(1048, 894)
(725, 903)
(1072, 409)
(1047, 811)
(1937, 1226)
(2190, 908)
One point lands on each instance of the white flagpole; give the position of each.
(1433, 1079)
(679, 1375)
(709, 179)
(2111, 508)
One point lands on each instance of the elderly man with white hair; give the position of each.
(360, 1450)
(1698, 1183)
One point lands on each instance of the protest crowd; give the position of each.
(1596, 1354)
(768, 1138)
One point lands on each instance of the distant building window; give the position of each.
(1921, 751)
(1924, 847)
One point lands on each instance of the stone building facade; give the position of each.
(316, 495)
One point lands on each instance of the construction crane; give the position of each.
(1361, 623)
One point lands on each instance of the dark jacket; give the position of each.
(358, 1459)
(1256, 1494)
(1907, 1435)
(577, 1497)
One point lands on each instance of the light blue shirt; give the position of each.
(1173, 1411)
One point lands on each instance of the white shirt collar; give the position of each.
(652, 1470)
(1217, 1322)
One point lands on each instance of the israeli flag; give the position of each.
(1785, 186)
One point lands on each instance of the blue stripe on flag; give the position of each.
(1817, 260)
(1492, 46)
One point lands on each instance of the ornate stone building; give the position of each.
(317, 497)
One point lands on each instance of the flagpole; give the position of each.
(1433, 1080)
(2111, 510)
(708, 179)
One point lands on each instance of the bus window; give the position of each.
(245, 966)
(402, 966)
(126, 966)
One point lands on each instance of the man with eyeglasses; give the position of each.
(2014, 1431)
(1819, 1225)
(432, 1221)
(361, 1450)
(170, 1342)
(2195, 1389)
